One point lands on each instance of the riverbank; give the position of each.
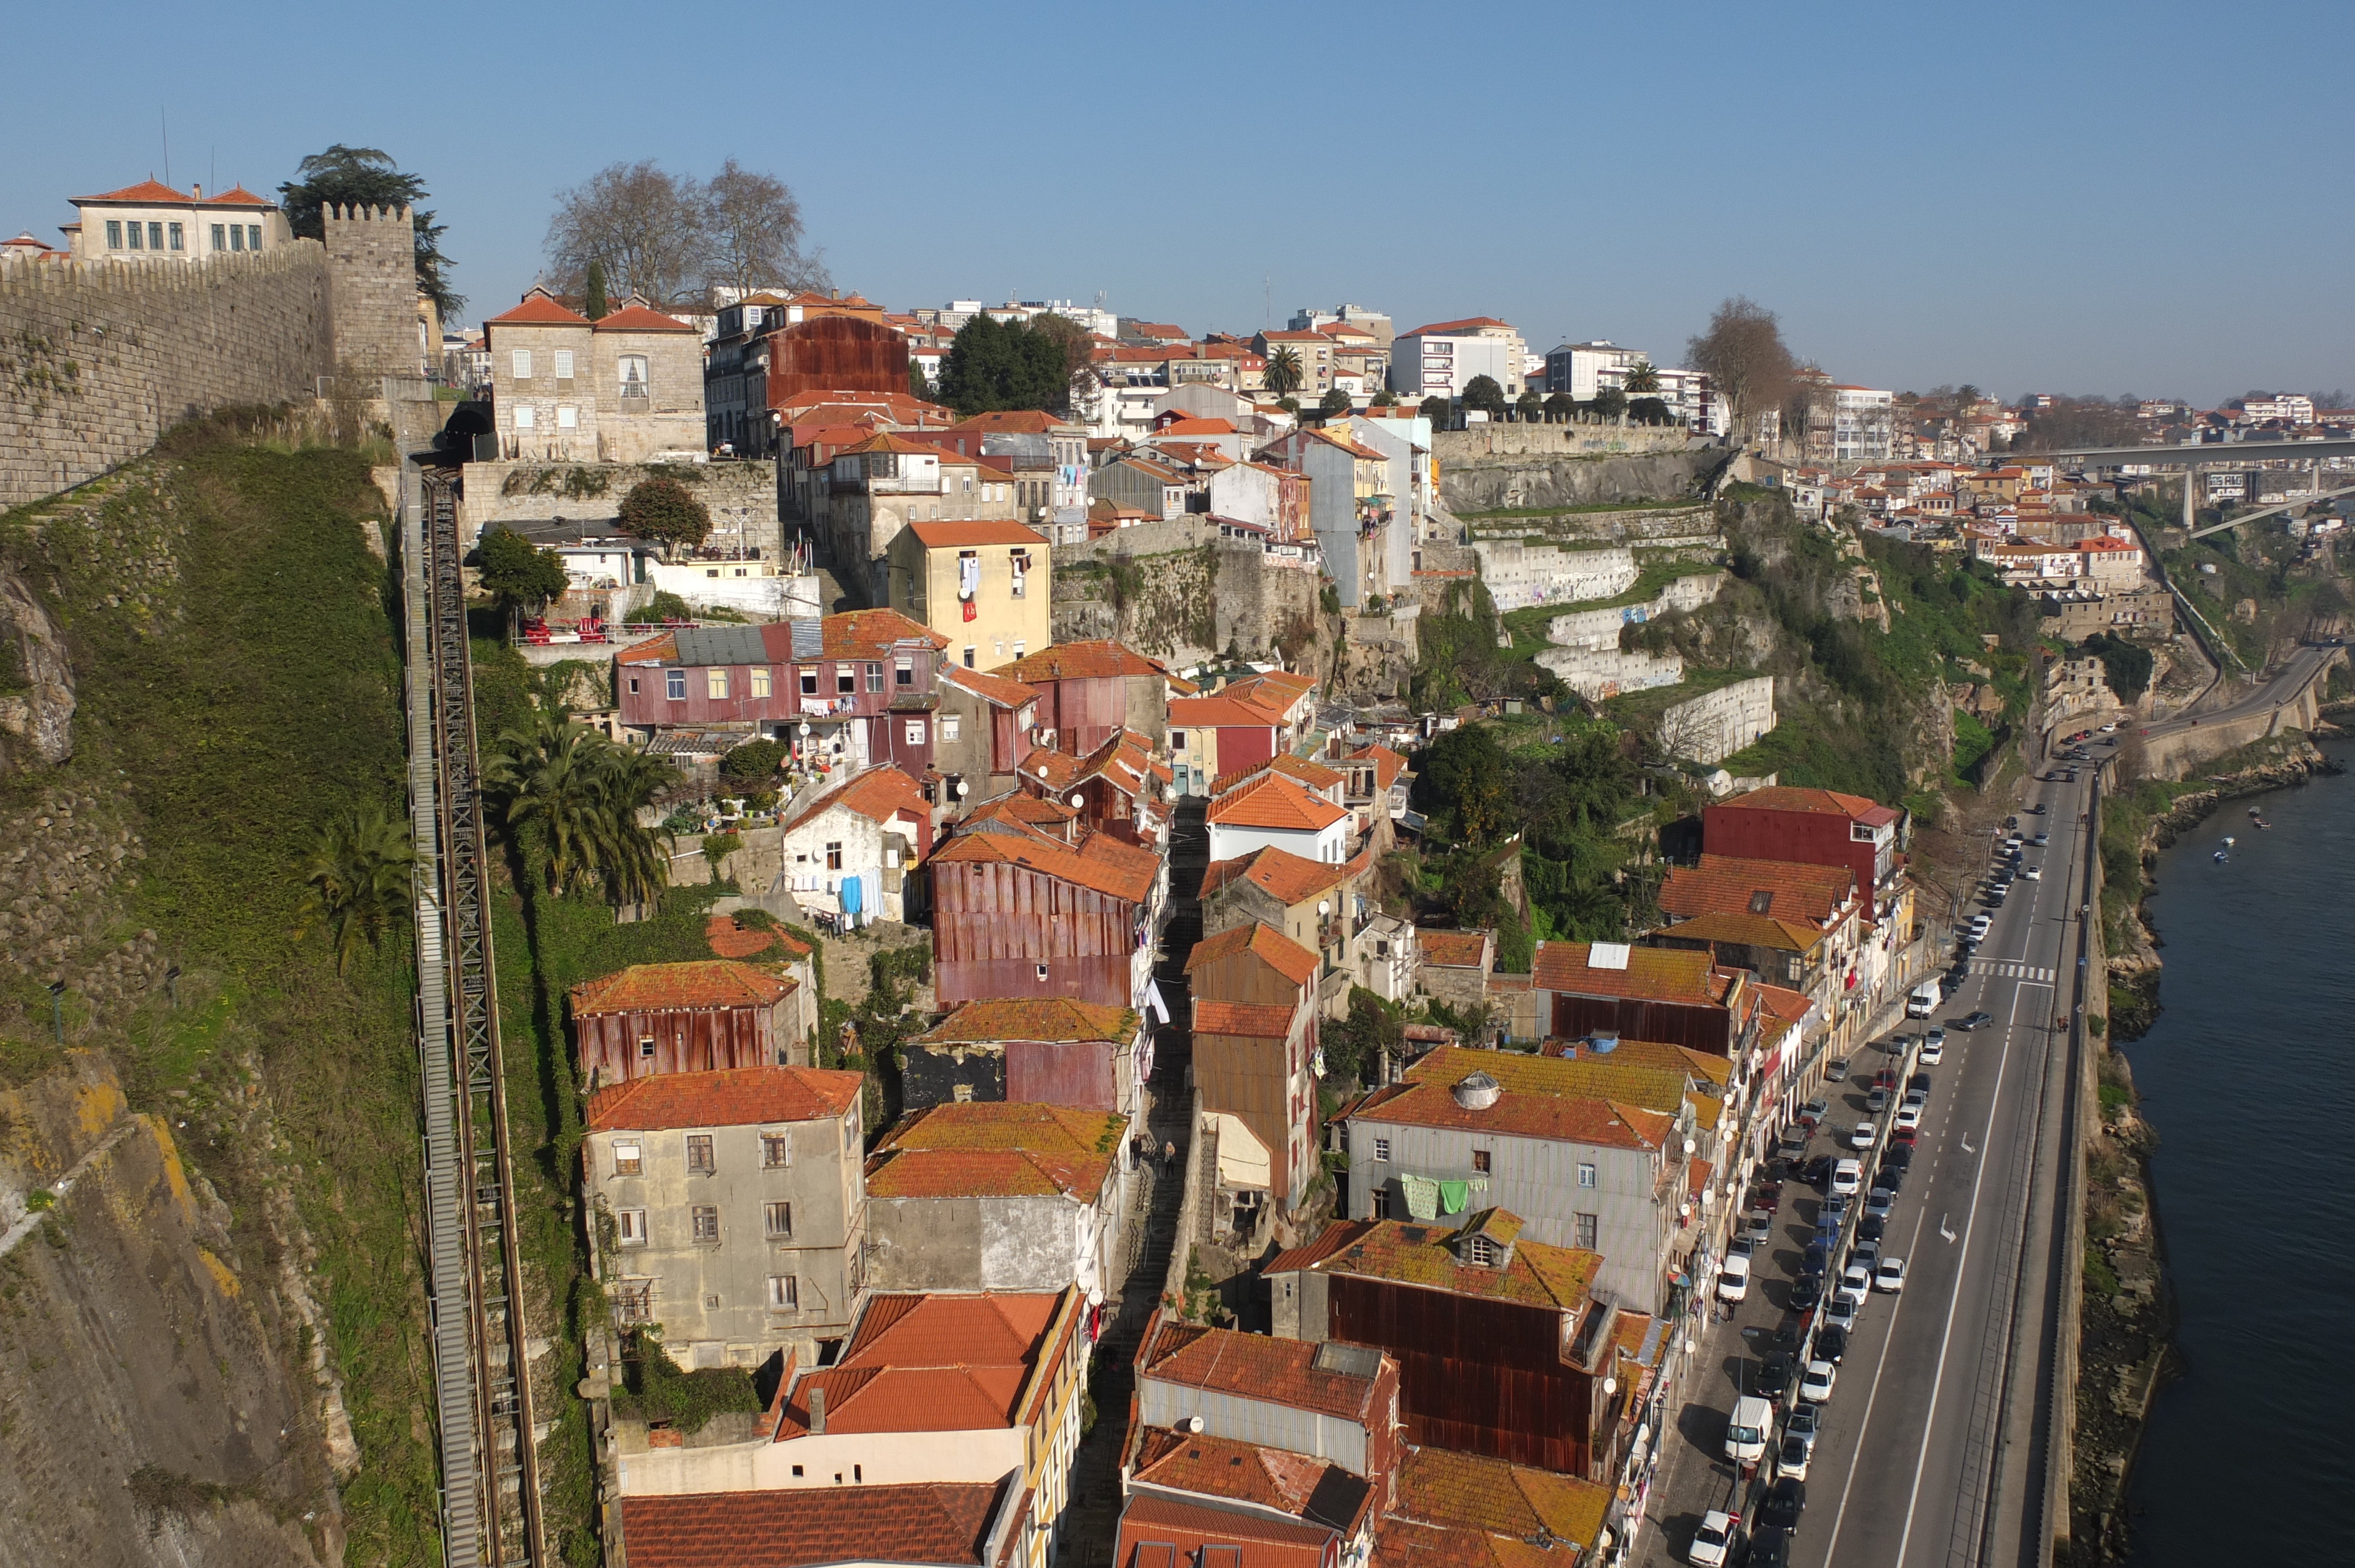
(2126, 1311)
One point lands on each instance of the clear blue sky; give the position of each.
(2147, 197)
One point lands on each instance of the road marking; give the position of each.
(1856, 1458)
(1970, 1221)
(1947, 1235)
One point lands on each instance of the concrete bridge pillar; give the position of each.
(2190, 506)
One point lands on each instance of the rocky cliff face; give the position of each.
(37, 692)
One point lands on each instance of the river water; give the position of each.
(2249, 1077)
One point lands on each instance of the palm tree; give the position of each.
(358, 871)
(628, 780)
(1283, 374)
(548, 774)
(1641, 381)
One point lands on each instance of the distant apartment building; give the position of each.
(1580, 370)
(1443, 358)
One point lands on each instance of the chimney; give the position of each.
(196, 192)
(818, 1410)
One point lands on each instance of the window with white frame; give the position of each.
(675, 685)
(568, 417)
(1586, 1174)
(563, 357)
(630, 1226)
(629, 1158)
(1381, 1148)
(915, 732)
(521, 364)
(950, 725)
(525, 416)
(632, 367)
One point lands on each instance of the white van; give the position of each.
(1746, 1433)
(1733, 1278)
(1923, 1001)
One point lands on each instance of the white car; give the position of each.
(1862, 1137)
(1933, 1051)
(1890, 1275)
(1908, 1116)
(1793, 1460)
(1815, 1384)
(2032, 873)
(1713, 1542)
(1855, 1285)
(1848, 1176)
(1733, 1278)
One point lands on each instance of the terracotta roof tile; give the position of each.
(989, 686)
(878, 794)
(1275, 801)
(1791, 798)
(638, 318)
(1747, 929)
(1287, 877)
(1219, 710)
(1789, 890)
(1656, 974)
(1272, 947)
(1081, 661)
(1101, 863)
(1434, 1258)
(1256, 1366)
(1315, 775)
(937, 1362)
(870, 633)
(537, 309)
(1243, 1020)
(147, 190)
(1388, 765)
(729, 940)
(1427, 1099)
(959, 536)
(999, 1151)
(1455, 949)
(1162, 1532)
(1314, 1491)
(237, 196)
(1467, 323)
(1465, 1491)
(733, 1097)
(1053, 1020)
(946, 1523)
(703, 982)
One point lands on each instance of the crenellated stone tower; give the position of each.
(372, 291)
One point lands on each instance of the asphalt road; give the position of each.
(1921, 1463)
(2241, 702)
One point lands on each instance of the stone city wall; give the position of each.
(97, 360)
(742, 496)
(1600, 673)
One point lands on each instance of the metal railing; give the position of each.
(490, 1490)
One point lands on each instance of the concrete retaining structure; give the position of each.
(1714, 726)
(1579, 438)
(742, 496)
(1598, 674)
(1591, 628)
(1520, 575)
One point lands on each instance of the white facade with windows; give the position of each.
(1442, 360)
(153, 222)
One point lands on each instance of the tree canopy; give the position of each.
(1334, 402)
(1437, 411)
(664, 509)
(1745, 356)
(664, 236)
(1281, 375)
(515, 573)
(996, 364)
(367, 176)
(1483, 393)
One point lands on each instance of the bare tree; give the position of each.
(753, 224)
(642, 225)
(1745, 356)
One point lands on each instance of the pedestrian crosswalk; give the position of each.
(1997, 968)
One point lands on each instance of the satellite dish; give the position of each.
(1078, 800)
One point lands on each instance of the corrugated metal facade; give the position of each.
(1265, 1082)
(1082, 711)
(836, 354)
(1707, 1029)
(615, 1046)
(1809, 838)
(1476, 1376)
(996, 928)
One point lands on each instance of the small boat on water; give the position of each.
(2230, 841)
(2222, 856)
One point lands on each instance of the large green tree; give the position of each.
(517, 574)
(1483, 393)
(577, 796)
(367, 176)
(662, 508)
(995, 364)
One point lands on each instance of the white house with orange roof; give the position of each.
(153, 222)
(1276, 810)
(1442, 359)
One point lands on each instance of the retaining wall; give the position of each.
(1520, 575)
(1600, 628)
(742, 496)
(1598, 674)
(1714, 726)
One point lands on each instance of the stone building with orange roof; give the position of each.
(930, 1389)
(625, 388)
(1005, 1196)
(729, 1208)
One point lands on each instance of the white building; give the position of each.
(1583, 369)
(1441, 359)
(1862, 418)
(152, 222)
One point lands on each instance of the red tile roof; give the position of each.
(537, 309)
(1162, 1532)
(1315, 1491)
(1101, 863)
(869, 633)
(147, 190)
(1256, 1366)
(638, 318)
(1791, 797)
(1436, 1487)
(733, 1097)
(1742, 928)
(1026, 420)
(1454, 950)
(1467, 323)
(1220, 710)
(1388, 765)
(1655, 974)
(958, 536)
(997, 1150)
(1315, 775)
(1434, 1258)
(1243, 1020)
(1081, 661)
(1789, 890)
(947, 1523)
(989, 686)
(878, 794)
(936, 1363)
(1287, 877)
(729, 940)
(703, 982)
(1537, 1099)
(1272, 947)
(1053, 1020)
(237, 196)
(1275, 801)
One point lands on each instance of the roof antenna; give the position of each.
(165, 121)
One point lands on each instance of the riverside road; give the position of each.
(1932, 1453)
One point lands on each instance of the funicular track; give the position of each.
(490, 1492)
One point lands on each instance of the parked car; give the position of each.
(1855, 1285)
(1920, 1084)
(1862, 1137)
(1933, 1052)
(1783, 1502)
(1847, 1177)
(1817, 1171)
(1908, 1117)
(1975, 1020)
(1876, 1099)
(1743, 1246)
(1770, 1548)
(1805, 1423)
(1890, 1274)
(1713, 1539)
(1831, 1343)
(1898, 1156)
(1813, 1259)
(1836, 1070)
(1815, 1382)
(1774, 1380)
(1805, 1292)
(1792, 1459)
(1839, 1313)
(1879, 1202)
(1936, 1039)
(1873, 1226)
(1813, 1111)
(2033, 874)
(1761, 1228)
(2037, 810)
(1733, 1278)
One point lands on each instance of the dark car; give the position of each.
(1774, 1373)
(1975, 1020)
(1805, 1292)
(1816, 1258)
(1871, 1228)
(1920, 1081)
(1785, 1501)
(1770, 1548)
(1896, 1156)
(1817, 1171)
(1836, 1070)
(1831, 1343)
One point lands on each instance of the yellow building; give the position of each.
(987, 586)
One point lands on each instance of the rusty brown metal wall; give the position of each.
(687, 1040)
(994, 926)
(1083, 713)
(836, 354)
(1671, 1023)
(1477, 1376)
(1080, 1074)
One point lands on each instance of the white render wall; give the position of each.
(1597, 673)
(1600, 628)
(1714, 726)
(1518, 576)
